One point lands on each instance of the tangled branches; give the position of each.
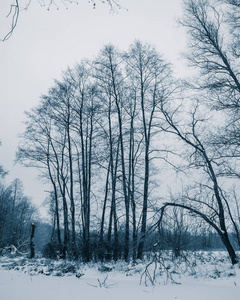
(158, 266)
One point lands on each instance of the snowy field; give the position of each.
(208, 276)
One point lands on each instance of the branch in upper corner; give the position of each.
(15, 9)
(13, 14)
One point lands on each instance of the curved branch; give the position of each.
(193, 210)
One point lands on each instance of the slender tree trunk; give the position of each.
(62, 186)
(147, 127)
(58, 220)
(145, 208)
(133, 204)
(146, 172)
(109, 235)
(72, 204)
(65, 221)
(229, 247)
(32, 246)
(88, 189)
(86, 208)
(126, 198)
(113, 208)
(56, 207)
(221, 214)
(101, 239)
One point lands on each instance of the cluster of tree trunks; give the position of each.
(96, 132)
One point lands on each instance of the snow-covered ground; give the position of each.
(209, 276)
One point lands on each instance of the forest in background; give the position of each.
(108, 132)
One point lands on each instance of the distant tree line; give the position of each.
(16, 216)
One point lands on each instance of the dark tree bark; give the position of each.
(101, 239)
(32, 246)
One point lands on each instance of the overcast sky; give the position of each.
(45, 42)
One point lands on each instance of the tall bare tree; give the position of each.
(151, 78)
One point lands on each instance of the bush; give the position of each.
(49, 251)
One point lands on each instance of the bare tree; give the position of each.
(217, 60)
(85, 109)
(109, 77)
(43, 150)
(212, 54)
(215, 209)
(151, 78)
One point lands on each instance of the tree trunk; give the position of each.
(32, 246)
(228, 245)
(101, 244)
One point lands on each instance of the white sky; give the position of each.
(45, 42)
